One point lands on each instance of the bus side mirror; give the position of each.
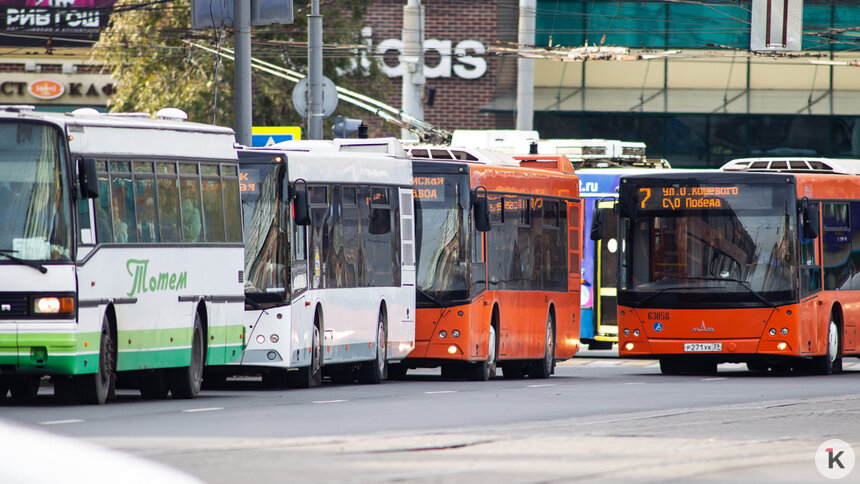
(88, 182)
(811, 221)
(597, 225)
(301, 206)
(482, 214)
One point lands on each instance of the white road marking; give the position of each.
(441, 391)
(714, 379)
(61, 422)
(634, 383)
(541, 385)
(210, 409)
(330, 401)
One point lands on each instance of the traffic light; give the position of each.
(345, 127)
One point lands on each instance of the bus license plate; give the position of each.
(703, 347)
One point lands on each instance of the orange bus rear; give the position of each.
(754, 267)
(498, 250)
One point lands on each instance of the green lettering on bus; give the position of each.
(137, 268)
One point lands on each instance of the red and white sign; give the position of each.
(46, 89)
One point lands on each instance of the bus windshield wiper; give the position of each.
(432, 299)
(743, 284)
(661, 291)
(7, 253)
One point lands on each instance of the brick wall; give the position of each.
(457, 101)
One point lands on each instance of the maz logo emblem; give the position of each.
(703, 329)
(6, 308)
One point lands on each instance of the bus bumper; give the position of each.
(58, 351)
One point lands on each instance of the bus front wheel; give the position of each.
(185, 382)
(831, 361)
(376, 370)
(97, 387)
(543, 368)
(311, 375)
(484, 370)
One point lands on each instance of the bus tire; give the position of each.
(484, 370)
(671, 366)
(4, 388)
(96, 388)
(397, 371)
(454, 370)
(185, 382)
(154, 386)
(25, 388)
(543, 368)
(276, 379)
(374, 371)
(311, 375)
(831, 361)
(513, 371)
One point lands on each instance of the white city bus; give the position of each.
(120, 253)
(329, 261)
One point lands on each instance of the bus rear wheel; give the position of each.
(311, 375)
(185, 382)
(96, 388)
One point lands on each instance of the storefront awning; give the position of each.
(686, 101)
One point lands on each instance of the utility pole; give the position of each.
(412, 57)
(526, 67)
(315, 74)
(242, 70)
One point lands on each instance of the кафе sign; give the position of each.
(79, 89)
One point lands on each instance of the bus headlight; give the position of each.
(784, 331)
(53, 305)
(635, 332)
(626, 331)
(455, 333)
(274, 338)
(443, 334)
(772, 332)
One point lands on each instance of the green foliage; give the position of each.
(147, 51)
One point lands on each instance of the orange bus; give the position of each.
(498, 253)
(757, 263)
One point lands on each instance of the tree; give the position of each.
(146, 48)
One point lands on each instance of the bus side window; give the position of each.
(147, 230)
(213, 204)
(104, 225)
(189, 193)
(167, 189)
(232, 203)
(122, 202)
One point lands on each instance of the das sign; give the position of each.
(468, 65)
(46, 89)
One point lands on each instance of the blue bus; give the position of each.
(598, 188)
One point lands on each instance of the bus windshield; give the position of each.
(34, 193)
(440, 228)
(267, 266)
(732, 251)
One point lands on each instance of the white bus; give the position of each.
(120, 253)
(329, 261)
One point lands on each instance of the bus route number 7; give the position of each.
(647, 192)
